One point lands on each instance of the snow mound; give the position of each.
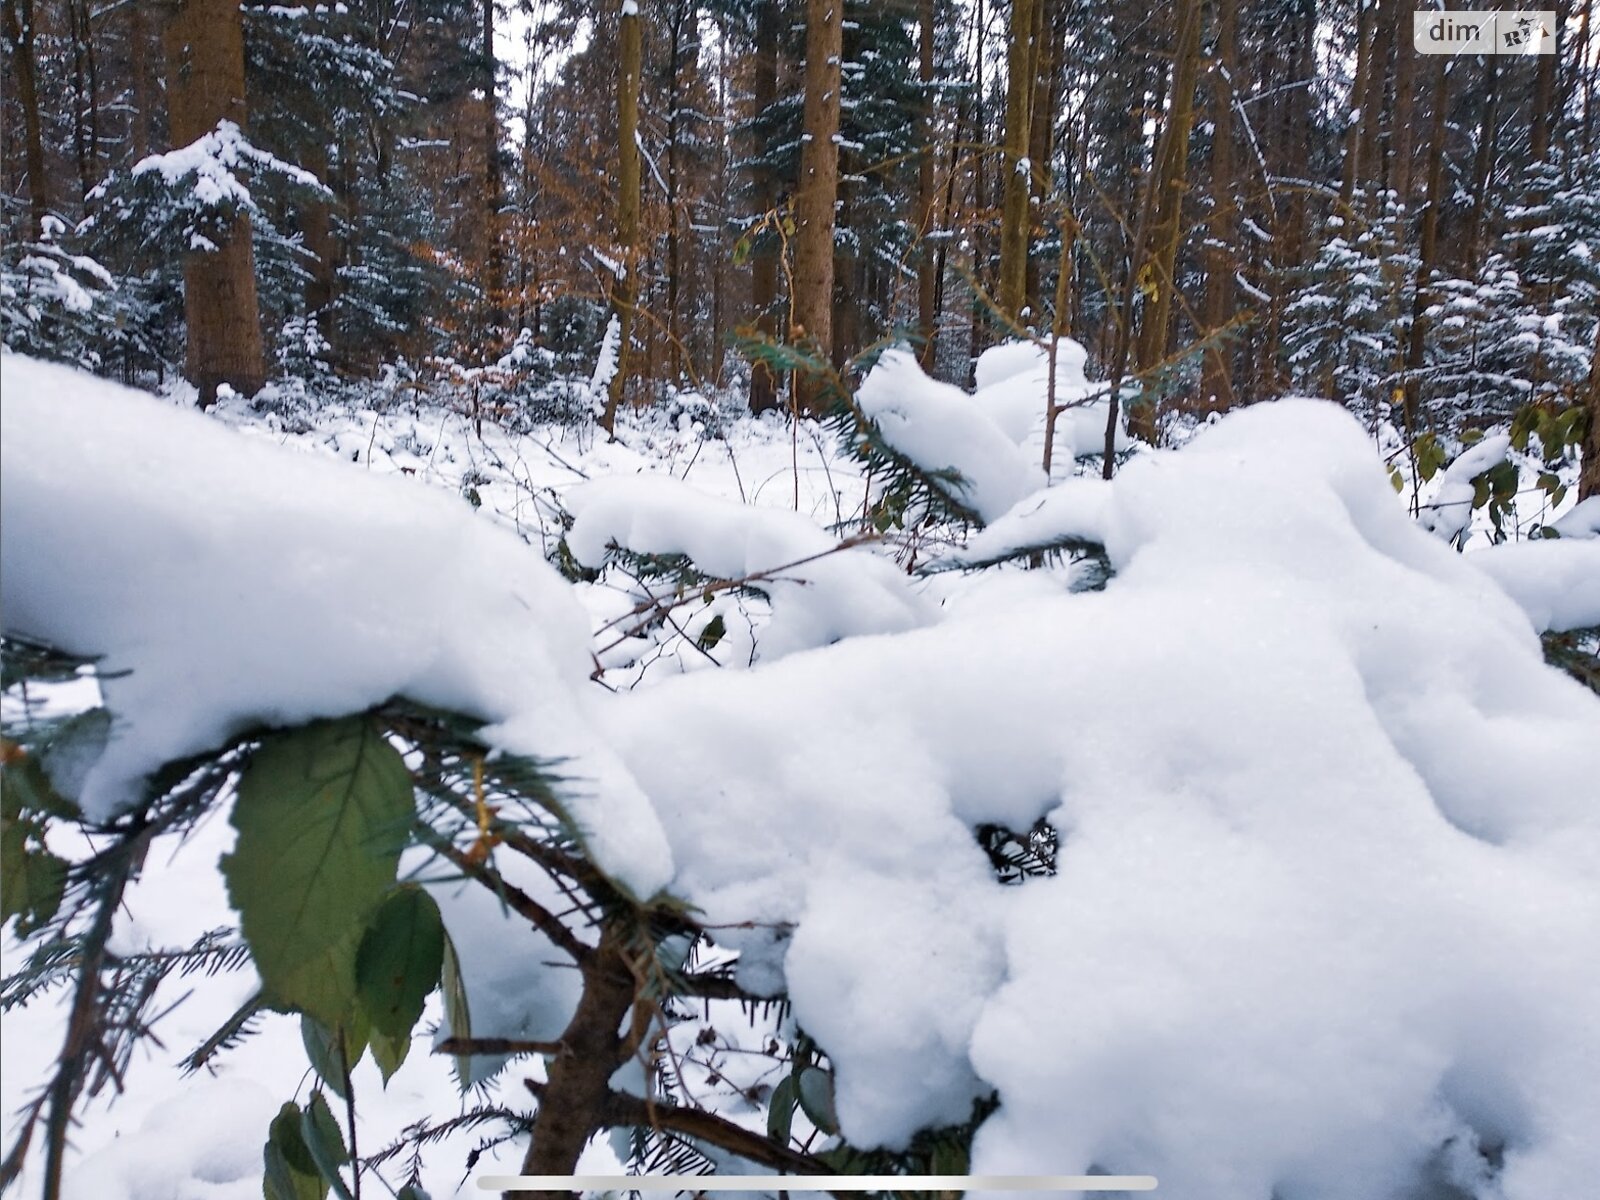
(1013, 381)
(1074, 510)
(1328, 877)
(819, 593)
(939, 428)
(1330, 849)
(1555, 580)
(1449, 514)
(237, 584)
(1582, 522)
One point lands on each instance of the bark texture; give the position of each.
(204, 42)
(818, 189)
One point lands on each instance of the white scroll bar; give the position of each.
(817, 1183)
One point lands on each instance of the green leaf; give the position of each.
(456, 1012)
(399, 963)
(815, 1089)
(32, 879)
(291, 1172)
(780, 1111)
(716, 629)
(1396, 480)
(321, 815)
(323, 1050)
(325, 1143)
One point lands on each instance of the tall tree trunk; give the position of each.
(19, 31)
(927, 196)
(1358, 91)
(1483, 166)
(1589, 474)
(764, 266)
(1374, 111)
(1166, 225)
(1049, 51)
(1015, 218)
(204, 42)
(625, 290)
(1545, 115)
(1428, 253)
(1405, 103)
(1216, 385)
(139, 69)
(818, 188)
(674, 243)
(494, 283)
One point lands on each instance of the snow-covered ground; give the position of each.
(1329, 870)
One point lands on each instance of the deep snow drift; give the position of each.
(1329, 873)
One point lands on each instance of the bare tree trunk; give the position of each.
(1405, 103)
(674, 241)
(494, 284)
(205, 66)
(139, 68)
(1429, 252)
(1589, 476)
(818, 188)
(927, 197)
(1358, 92)
(1049, 48)
(1216, 386)
(19, 31)
(764, 267)
(1166, 225)
(1483, 167)
(1544, 98)
(625, 290)
(1015, 218)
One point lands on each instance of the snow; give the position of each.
(819, 593)
(203, 537)
(938, 427)
(1329, 840)
(207, 167)
(1449, 513)
(1074, 510)
(1013, 381)
(1556, 581)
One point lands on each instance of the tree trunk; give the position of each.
(19, 31)
(205, 65)
(818, 189)
(494, 284)
(1049, 49)
(1216, 386)
(625, 290)
(1014, 217)
(1358, 92)
(927, 264)
(1589, 475)
(1429, 252)
(1544, 99)
(763, 266)
(1483, 167)
(1166, 225)
(573, 1104)
(139, 68)
(1374, 113)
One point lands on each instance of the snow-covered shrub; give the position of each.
(1315, 825)
(55, 304)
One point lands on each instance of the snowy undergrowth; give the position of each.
(1329, 832)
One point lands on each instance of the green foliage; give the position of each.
(399, 963)
(290, 1171)
(322, 814)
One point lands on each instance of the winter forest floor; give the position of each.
(1329, 829)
